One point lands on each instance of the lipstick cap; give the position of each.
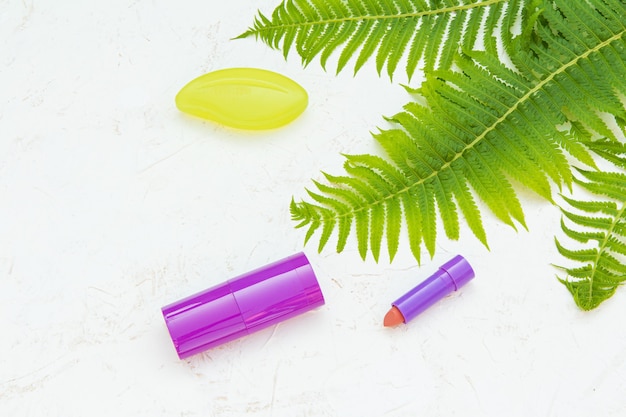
(449, 277)
(243, 305)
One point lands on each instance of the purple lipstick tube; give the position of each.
(243, 305)
(449, 277)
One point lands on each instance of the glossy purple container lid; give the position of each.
(242, 305)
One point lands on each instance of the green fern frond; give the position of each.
(480, 129)
(387, 30)
(581, 47)
(601, 225)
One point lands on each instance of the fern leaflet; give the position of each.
(482, 126)
(386, 30)
(601, 225)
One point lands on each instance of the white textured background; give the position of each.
(113, 203)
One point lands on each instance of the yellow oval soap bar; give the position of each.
(244, 98)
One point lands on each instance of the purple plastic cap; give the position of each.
(449, 277)
(243, 305)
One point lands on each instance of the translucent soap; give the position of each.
(244, 98)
